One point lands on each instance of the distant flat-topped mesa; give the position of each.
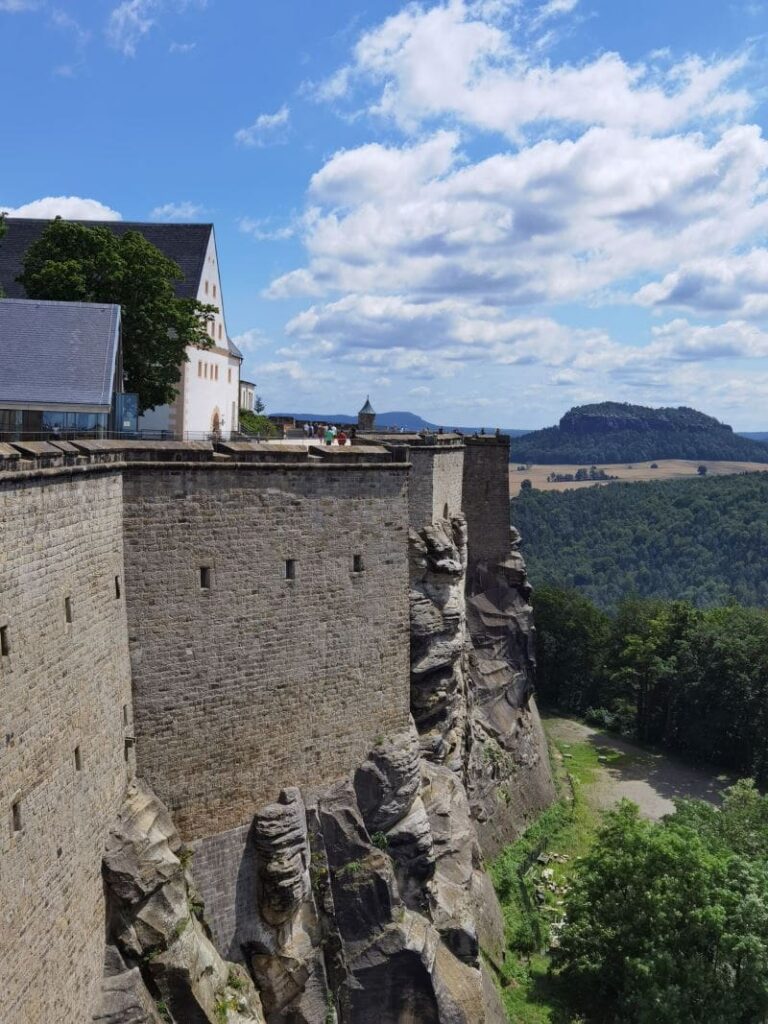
(221, 624)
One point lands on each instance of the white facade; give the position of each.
(209, 391)
(247, 395)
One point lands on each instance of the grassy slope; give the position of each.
(566, 830)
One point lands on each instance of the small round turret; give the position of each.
(366, 417)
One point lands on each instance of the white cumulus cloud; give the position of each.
(447, 60)
(68, 207)
(556, 221)
(717, 285)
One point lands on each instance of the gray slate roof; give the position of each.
(185, 244)
(367, 408)
(58, 353)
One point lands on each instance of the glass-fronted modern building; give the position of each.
(61, 371)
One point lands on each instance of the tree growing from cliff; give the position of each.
(74, 263)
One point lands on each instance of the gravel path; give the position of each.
(652, 780)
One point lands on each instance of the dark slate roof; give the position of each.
(185, 244)
(58, 353)
(367, 408)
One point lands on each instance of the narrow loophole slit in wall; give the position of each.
(125, 714)
(117, 588)
(290, 568)
(78, 760)
(445, 510)
(205, 577)
(68, 609)
(5, 642)
(357, 563)
(16, 816)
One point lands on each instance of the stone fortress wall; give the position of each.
(65, 713)
(262, 596)
(436, 479)
(249, 681)
(485, 491)
(258, 681)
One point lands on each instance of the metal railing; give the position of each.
(9, 436)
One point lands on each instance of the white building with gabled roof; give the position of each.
(208, 396)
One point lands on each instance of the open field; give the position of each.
(669, 469)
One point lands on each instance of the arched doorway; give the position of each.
(216, 422)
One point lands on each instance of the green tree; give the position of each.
(74, 263)
(702, 470)
(256, 424)
(664, 926)
(571, 641)
(258, 404)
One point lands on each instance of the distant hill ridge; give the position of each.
(611, 432)
(407, 420)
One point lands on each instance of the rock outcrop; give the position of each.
(472, 677)
(160, 962)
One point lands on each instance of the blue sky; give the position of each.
(484, 211)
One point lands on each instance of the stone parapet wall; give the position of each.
(64, 687)
(246, 681)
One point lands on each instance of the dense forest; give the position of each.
(703, 540)
(614, 432)
(691, 680)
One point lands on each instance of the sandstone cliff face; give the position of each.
(371, 907)
(370, 903)
(160, 963)
(472, 678)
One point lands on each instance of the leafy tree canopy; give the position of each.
(76, 263)
(255, 423)
(668, 923)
